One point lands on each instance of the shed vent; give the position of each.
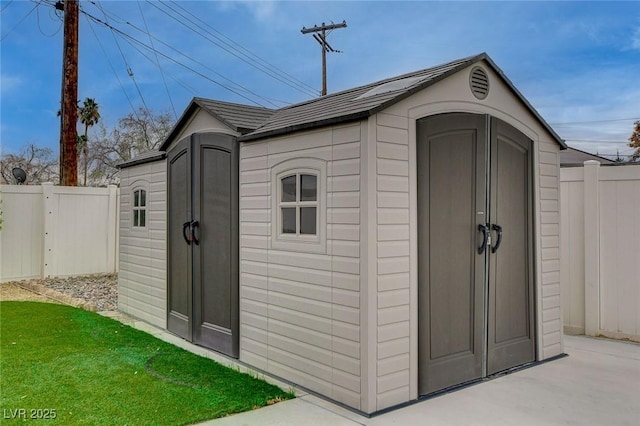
(479, 83)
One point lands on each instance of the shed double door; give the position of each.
(475, 234)
(202, 242)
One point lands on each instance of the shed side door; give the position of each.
(215, 263)
(179, 256)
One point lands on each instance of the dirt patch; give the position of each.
(11, 291)
(91, 292)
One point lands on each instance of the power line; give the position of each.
(131, 40)
(249, 57)
(20, 21)
(175, 115)
(240, 87)
(133, 109)
(594, 140)
(230, 50)
(129, 70)
(6, 6)
(595, 121)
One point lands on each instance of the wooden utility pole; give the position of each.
(322, 39)
(69, 103)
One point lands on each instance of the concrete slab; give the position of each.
(597, 384)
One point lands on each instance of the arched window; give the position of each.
(139, 208)
(299, 205)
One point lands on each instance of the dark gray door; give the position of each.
(475, 303)
(451, 201)
(511, 323)
(209, 236)
(179, 255)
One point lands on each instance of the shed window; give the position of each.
(139, 208)
(298, 204)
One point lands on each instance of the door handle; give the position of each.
(498, 229)
(184, 234)
(485, 237)
(194, 224)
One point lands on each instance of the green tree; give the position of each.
(89, 115)
(634, 141)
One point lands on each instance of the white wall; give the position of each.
(51, 231)
(142, 281)
(300, 311)
(600, 270)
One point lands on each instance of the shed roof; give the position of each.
(238, 117)
(349, 105)
(364, 101)
(572, 157)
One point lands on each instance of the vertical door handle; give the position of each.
(498, 229)
(485, 237)
(184, 234)
(194, 224)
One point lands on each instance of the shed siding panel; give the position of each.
(548, 242)
(142, 277)
(393, 261)
(299, 311)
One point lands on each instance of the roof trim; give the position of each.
(179, 124)
(559, 140)
(196, 103)
(148, 157)
(305, 126)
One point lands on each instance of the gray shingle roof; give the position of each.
(241, 118)
(572, 157)
(354, 104)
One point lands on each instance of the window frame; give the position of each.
(314, 243)
(139, 208)
(298, 204)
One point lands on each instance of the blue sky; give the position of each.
(578, 63)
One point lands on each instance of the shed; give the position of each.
(374, 246)
(572, 157)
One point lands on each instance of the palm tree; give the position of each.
(89, 115)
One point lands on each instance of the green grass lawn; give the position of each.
(88, 369)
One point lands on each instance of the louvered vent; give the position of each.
(479, 83)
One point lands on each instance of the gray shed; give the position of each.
(374, 246)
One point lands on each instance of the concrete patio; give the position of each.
(597, 384)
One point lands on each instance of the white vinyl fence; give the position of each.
(600, 243)
(50, 231)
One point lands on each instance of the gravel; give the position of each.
(100, 290)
